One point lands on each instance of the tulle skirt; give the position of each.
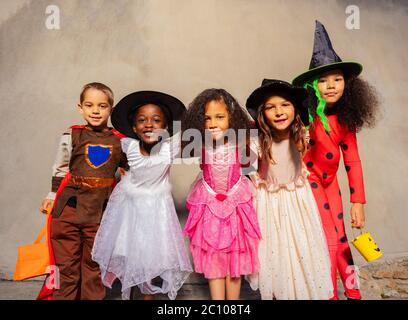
(224, 234)
(293, 253)
(139, 239)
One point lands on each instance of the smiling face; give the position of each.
(216, 118)
(149, 119)
(95, 108)
(279, 114)
(331, 86)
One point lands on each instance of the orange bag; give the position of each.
(33, 259)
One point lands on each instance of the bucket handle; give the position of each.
(361, 231)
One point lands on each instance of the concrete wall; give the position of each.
(183, 47)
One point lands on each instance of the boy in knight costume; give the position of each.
(88, 158)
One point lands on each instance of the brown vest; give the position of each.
(94, 155)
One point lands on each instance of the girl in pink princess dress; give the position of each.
(222, 223)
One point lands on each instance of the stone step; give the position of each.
(189, 291)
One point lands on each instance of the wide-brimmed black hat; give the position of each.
(270, 86)
(324, 59)
(122, 115)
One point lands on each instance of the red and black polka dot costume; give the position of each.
(322, 161)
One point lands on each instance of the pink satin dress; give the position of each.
(222, 223)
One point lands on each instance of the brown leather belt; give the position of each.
(91, 182)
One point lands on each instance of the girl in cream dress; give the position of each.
(293, 253)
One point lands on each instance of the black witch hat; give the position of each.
(297, 96)
(324, 59)
(123, 112)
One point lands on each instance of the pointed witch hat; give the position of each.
(324, 59)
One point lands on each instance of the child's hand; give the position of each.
(46, 206)
(357, 215)
(122, 172)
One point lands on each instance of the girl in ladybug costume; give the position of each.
(340, 104)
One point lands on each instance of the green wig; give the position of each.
(321, 104)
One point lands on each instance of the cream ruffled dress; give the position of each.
(293, 253)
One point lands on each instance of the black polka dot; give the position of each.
(344, 146)
(350, 262)
(312, 142)
(309, 164)
(340, 215)
(339, 193)
(324, 175)
(348, 168)
(343, 239)
(335, 228)
(326, 206)
(314, 185)
(352, 190)
(329, 155)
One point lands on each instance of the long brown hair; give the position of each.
(267, 134)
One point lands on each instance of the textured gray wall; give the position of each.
(183, 47)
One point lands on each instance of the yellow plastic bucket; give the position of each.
(367, 247)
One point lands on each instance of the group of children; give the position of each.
(281, 225)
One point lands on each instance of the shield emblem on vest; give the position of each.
(97, 154)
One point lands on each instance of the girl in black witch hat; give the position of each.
(340, 104)
(140, 238)
(294, 260)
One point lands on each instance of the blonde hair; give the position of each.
(97, 86)
(267, 135)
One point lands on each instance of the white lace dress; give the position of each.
(140, 237)
(293, 253)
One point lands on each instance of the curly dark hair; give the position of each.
(194, 118)
(357, 108)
